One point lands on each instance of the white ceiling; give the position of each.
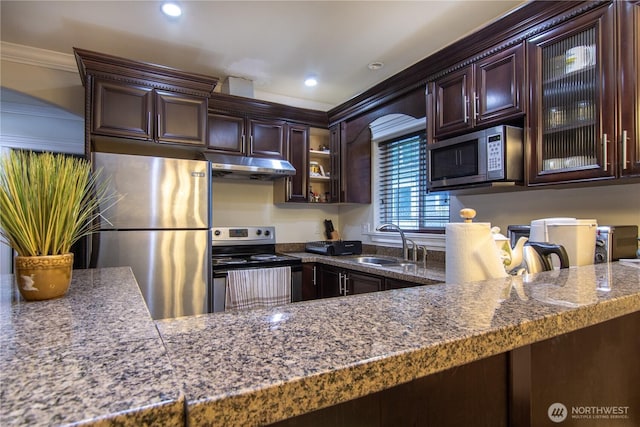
(273, 43)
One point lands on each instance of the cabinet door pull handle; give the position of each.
(149, 128)
(624, 149)
(477, 107)
(346, 289)
(604, 152)
(243, 148)
(314, 276)
(158, 127)
(466, 109)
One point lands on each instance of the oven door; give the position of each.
(217, 295)
(458, 161)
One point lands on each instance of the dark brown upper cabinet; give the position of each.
(336, 135)
(132, 100)
(485, 92)
(629, 87)
(572, 114)
(122, 110)
(295, 189)
(267, 138)
(500, 86)
(226, 134)
(237, 135)
(180, 118)
(140, 112)
(350, 180)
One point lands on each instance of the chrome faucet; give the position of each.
(405, 248)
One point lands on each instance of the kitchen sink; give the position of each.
(379, 261)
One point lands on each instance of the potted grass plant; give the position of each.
(47, 203)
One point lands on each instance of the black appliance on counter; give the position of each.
(614, 242)
(515, 232)
(235, 248)
(335, 247)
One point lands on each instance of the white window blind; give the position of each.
(402, 178)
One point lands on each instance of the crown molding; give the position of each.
(28, 55)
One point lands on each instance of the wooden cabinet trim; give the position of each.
(602, 20)
(514, 28)
(136, 72)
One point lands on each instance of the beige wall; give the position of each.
(609, 205)
(61, 88)
(243, 202)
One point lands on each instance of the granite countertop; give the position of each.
(88, 357)
(106, 358)
(416, 272)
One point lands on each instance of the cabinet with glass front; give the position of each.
(572, 114)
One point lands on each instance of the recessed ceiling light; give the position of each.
(310, 81)
(375, 65)
(171, 9)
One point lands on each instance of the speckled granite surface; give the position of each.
(106, 364)
(92, 357)
(262, 366)
(415, 272)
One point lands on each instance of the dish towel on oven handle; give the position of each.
(258, 288)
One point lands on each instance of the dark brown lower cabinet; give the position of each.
(326, 281)
(335, 281)
(309, 282)
(592, 373)
(390, 283)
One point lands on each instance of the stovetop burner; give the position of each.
(264, 257)
(227, 260)
(247, 247)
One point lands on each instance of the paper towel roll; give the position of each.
(471, 253)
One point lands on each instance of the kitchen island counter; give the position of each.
(263, 366)
(93, 356)
(259, 367)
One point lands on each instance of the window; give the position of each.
(402, 180)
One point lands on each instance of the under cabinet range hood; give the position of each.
(243, 167)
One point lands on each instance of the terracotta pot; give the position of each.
(43, 277)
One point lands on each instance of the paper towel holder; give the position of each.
(467, 214)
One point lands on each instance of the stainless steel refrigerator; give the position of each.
(161, 228)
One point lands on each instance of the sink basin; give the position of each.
(379, 260)
(375, 260)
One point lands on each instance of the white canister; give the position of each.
(578, 236)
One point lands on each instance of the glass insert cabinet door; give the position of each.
(573, 100)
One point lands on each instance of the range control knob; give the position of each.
(258, 232)
(267, 233)
(217, 232)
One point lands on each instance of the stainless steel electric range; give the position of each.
(236, 248)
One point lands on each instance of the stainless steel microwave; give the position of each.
(485, 156)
